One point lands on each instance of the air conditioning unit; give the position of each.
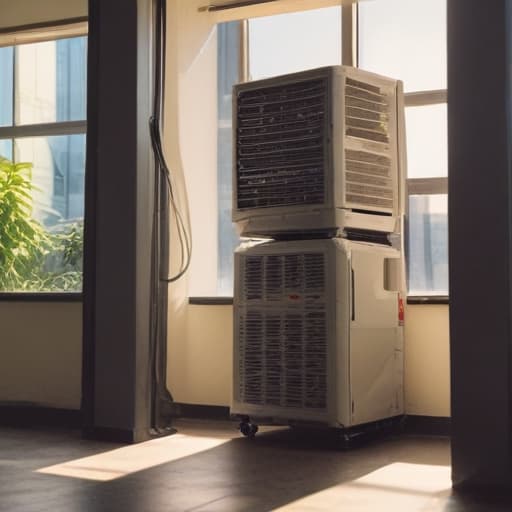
(317, 332)
(318, 151)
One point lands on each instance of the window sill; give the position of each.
(228, 301)
(40, 297)
(428, 299)
(211, 301)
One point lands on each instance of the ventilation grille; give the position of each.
(280, 144)
(283, 359)
(369, 179)
(284, 278)
(283, 348)
(366, 111)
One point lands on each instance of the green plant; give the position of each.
(33, 259)
(24, 243)
(73, 246)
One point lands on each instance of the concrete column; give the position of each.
(119, 209)
(480, 228)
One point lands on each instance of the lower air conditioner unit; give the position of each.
(321, 151)
(317, 332)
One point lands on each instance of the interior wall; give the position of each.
(28, 12)
(206, 359)
(41, 353)
(427, 360)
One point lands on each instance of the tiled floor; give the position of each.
(207, 466)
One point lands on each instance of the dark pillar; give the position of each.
(119, 206)
(480, 223)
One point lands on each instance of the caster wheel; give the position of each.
(248, 429)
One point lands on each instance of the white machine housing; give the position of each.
(317, 336)
(318, 151)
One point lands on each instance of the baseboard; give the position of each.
(32, 415)
(427, 425)
(206, 412)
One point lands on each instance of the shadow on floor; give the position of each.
(278, 470)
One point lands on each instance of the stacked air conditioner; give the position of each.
(318, 169)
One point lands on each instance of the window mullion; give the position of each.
(349, 35)
(13, 104)
(427, 186)
(43, 129)
(423, 98)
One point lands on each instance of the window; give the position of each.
(42, 145)
(407, 40)
(404, 39)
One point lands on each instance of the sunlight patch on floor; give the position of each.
(138, 457)
(397, 487)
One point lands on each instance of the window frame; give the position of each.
(420, 98)
(41, 32)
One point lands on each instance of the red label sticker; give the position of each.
(401, 311)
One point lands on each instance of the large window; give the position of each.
(406, 39)
(42, 166)
(403, 39)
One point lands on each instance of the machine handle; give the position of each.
(353, 295)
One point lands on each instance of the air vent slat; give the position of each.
(355, 92)
(361, 113)
(353, 177)
(370, 201)
(289, 90)
(371, 106)
(367, 111)
(367, 134)
(281, 131)
(367, 168)
(368, 190)
(368, 176)
(272, 128)
(370, 158)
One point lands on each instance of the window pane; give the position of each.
(6, 149)
(428, 245)
(293, 42)
(228, 74)
(6, 86)
(427, 141)
(45, 211)
(58, 175)
(405, 39)
(51, 81)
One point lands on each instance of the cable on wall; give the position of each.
(166, 206)
(155, 123)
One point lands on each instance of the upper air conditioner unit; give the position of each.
(318, 151)
(317, 332)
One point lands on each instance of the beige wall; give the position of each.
(427, 360)
(206, 357)
(15, 13)
(41, 353)
(202, 371)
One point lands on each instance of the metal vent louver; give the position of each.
(369, 179)
(366, 111)
(280, 144)
(283, 348)
(368, 175)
